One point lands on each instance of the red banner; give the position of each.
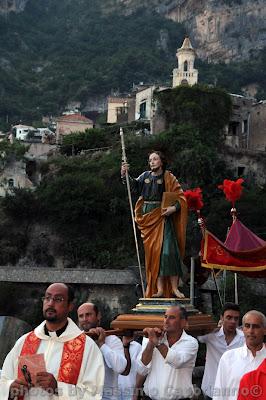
(214, 254)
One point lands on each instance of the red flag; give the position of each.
(246, 258)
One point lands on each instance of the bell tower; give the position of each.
(185, 74)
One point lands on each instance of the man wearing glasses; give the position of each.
(74, 367)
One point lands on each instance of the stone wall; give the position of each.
(13, 175)
(21, 290)
(10, 330)
(247, 163)
(114, 291)
(258, 127)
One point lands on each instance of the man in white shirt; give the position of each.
(237, 362)
(127, 383)
(168, 358)
(218, 342)
(89, 318)
(59, 340)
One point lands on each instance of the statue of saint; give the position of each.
(161, 216)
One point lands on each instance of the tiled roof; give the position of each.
(74, 118)
(118, 99)
(22, 126)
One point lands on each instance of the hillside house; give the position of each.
(120, 109)
(238, 130)
(71, 123)
(257, 139)
(21, 132)
(245, 139)
(14, 175)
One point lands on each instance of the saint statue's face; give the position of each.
(155, 162)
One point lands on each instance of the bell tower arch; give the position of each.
(185, 73)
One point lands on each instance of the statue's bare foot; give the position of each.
(157, 295)
(147, 291)
(179, 294)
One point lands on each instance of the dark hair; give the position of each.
(95, 308)
(230, 306)
(183, 313)
(70, 293)
(162, 157)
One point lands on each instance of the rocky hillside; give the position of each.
(228, 30)
(222, 30)
(53, 52)
(57, 51)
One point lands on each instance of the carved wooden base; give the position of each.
(150, 313)
(154, 306)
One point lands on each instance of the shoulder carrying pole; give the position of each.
(124, 159)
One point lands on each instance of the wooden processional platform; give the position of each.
(150, 313)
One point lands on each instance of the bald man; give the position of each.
(237, 362)
(59, 340)
(168, 358)
(111, 347)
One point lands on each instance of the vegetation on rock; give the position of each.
(58, 51)
(83, 200)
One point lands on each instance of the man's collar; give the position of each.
(220, 332)
(182, 336)
(238, 332)
(71, 332)
(58, 332)
(247, 351)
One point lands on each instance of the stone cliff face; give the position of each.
(220, 30)
(224, 30)
(7, 6)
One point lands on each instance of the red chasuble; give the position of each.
(71, 357)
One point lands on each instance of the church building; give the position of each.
(185, 74)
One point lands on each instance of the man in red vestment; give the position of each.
(73, 365)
